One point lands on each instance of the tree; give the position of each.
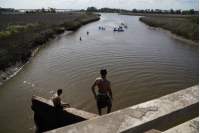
(134, 10)
(141, 11)
(53, 10)
(147, 10)
(178, 11)
(91, 9)
(183, 12)
(165, 11)
(171, 11)
(43, 10)
(191, 11)
(158, 11)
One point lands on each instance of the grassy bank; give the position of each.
(21, 33)
(157, 15)
(186, 26)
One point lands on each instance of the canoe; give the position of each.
(118, 30)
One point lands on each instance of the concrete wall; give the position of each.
(48, 117)
(191, 126)
(141, 117)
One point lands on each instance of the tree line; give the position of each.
(49, 10)
(171, 11)
(106, 9)
(8, 10)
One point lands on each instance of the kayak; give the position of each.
(118, 30)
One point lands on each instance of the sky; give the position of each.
(83, 4)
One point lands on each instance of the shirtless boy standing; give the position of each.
(57, 100)
(102, 97)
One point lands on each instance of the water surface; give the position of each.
(142, 64)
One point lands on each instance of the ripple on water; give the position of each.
(142, 64)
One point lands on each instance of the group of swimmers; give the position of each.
(101, 97)
(120, 28)
(124, 25)
(86, 33)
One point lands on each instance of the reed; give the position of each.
(21, 33)
(157, 15)
(185, 27)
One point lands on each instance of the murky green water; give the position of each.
(142, 64)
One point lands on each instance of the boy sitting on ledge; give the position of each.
(57, 100)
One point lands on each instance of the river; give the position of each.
(142, 64)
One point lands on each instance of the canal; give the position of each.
(142, 64)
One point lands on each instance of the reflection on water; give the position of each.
(142, 64)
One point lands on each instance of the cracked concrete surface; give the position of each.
(141, 117)
(138, 112)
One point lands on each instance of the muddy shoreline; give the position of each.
(172, 35)
(12, 70)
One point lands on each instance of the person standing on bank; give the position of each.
(102, 97)
(57, 100)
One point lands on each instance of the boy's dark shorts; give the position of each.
(103, 101)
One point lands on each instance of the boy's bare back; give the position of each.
(103, 85)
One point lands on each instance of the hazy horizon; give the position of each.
(83, 4)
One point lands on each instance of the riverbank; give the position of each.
(182, 27)
(23, 40)
(169, 33)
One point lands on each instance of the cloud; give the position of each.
(83, 4)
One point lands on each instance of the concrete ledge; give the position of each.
(191, 126)
(48, 117)
(141, 117)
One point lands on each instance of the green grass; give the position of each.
(16, 28)
(21, 33)
(157, 15)
(186, 28)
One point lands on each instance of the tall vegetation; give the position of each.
(20, 33)
(153, 11)
(185, 27)
(7, 10)
(160, 11)
(49, 10)
(106, 9)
